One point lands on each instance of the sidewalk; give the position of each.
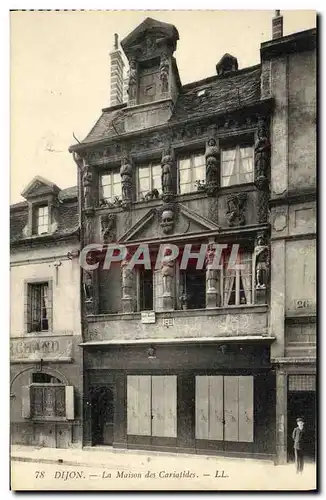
(108, 456)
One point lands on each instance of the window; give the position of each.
(149, 178)
(237, 165)
(193, 288)
(39, 307)
(146, 290)
(110, 186)
(41, 220)
(47, 398)
(237, 283)
(192, 169)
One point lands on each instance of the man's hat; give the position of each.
(300, 420)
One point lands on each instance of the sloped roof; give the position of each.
(223, 94)
(67, 211)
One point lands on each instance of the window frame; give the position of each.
(54, 417)
(36, 217)
(237, 282)
(236, 147)
(111, 172)
(28, 284)
(148, 164)
(190, 155)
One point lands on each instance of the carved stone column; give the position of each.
(212, 294)
(90, 289)
(262, 168)
(167, 270)
(212, 156)
(128, 288)
(167, 164)
(126, 174)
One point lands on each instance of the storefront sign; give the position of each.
(46, 348)
(148, 317)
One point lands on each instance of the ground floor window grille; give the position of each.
(302, 382)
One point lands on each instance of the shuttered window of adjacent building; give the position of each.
(224, 408)
(48, 401)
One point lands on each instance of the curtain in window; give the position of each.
(228, 166)
(245, 260)
(246, 165)
(229, 280)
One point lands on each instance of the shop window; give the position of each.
(191, 171)
(224, 408)
(39, 307)
(193, 288)
(237, 165)
(40, 224)
(237, 283)
(145, 278)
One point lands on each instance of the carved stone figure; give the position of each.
(167, 222)
(88, 286)
(132, 84)
(262, 151)
(127, 278)
(211, 271)
(126, 181)
(108, 228)
(167, 270)
(212, 156)
(167, 178)
(87, 184)
(164, 72)
(261, 256)
(236, 209)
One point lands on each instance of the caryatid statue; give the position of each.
(261, 256)
(262, 151)
(167, 269)
(164, 72)
(126, 180)
(211, 268)
(167, 177)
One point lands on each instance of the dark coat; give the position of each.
(298, 436)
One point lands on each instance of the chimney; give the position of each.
(277, 25)
(116, 76)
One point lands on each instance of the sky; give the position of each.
(59, 78)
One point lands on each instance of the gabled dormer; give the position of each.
(153, 73)
(42, 198)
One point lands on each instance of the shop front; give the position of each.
(200, 397)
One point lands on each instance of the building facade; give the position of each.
(194, 358)
(45, 332)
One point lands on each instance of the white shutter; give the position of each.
(26, 401)
(157, 290)
(246, 404)
(202, 414)
(70, 403)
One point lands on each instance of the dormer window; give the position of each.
(41, 220)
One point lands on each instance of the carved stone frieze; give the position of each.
(235, 213)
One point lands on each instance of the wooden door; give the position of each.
(139, 405)
(164, 406)
(246, 400)
(231, 408)
(216, 414)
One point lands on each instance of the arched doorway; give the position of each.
(102, 401)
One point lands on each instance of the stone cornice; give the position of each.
(296, 42)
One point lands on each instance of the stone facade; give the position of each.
(218, 169)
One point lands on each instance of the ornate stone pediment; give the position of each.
(151, 226)
(39, 187)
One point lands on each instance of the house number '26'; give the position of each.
(301, 304)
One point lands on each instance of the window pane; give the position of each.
(105, 179)
(105, 187)
(186, 188)
(156, 183)
(144, 186)
(156, 170)
(184, 163)
(199, 160)
(199, 174)
(116, 188)
(228, 155)
(185, 176)
(143, 172)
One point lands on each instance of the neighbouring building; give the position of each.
(45, 331)
(201, 360)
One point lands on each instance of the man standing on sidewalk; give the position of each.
(298, 438)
